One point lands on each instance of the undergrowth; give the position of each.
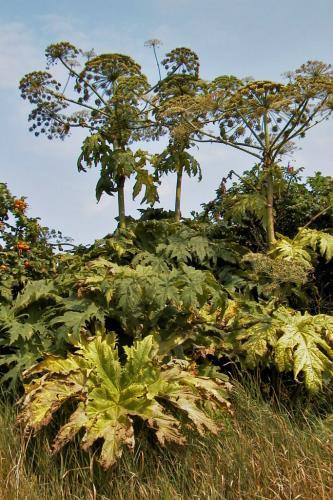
(266, 451)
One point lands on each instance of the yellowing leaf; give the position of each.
(110, 393)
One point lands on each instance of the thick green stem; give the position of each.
(121, 202)
(270, 232)
(178, 193)
(158, 64)
(269, 204)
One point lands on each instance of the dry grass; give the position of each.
(264, 453)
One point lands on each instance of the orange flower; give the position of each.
(22, 246)
(27, 264)
(20, 205)
(3, 267)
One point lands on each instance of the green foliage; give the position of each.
(26, 329)
(273, 277)
(263, 335)
(110, 394)
(26, 247)
(318, 241)
(297, 203)
(26, 259)
(150, 289)
(248, 281)
(156, 277)
(304, 247)
(290, 250)
(173, 158)
(243, 205)
(116, 164)
(148, 298)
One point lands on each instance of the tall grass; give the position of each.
(263, 453)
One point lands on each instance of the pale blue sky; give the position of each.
(259, 38)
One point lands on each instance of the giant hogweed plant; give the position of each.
(177, 84)
(109, 97)
(261, 119)
(288, 266)
(26, 329)
(311, 250)
(298, 203)
(305, 247)
(269, 335)
(164, 244)
(48, 315)
(110, 394)
(186, 312)
(156, 292)
(105, 96)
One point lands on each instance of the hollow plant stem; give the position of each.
(178, 193)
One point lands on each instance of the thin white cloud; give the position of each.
(22, 48)
(18, 53)
(57, 28)
(55, 24)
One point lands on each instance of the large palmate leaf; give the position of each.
(292, 341)
(245, 205)
(144, 299)
(25, 328)
(184, 247)
(43, 319)
(75, 316)
(318, 241)
(110, 394)
(301, 249)
(304, 347)
(292, 251)
(34, 292)
(252, 333)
